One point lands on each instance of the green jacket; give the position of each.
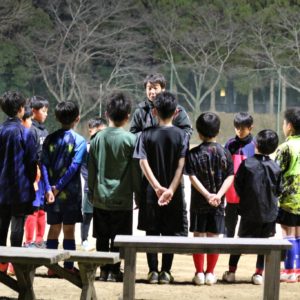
(113, 175)
(288, 158)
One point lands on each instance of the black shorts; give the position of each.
(256, 230)
(66, 218)
(108, 223)
(287, 218)
(209, 222)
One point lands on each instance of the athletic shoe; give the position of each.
(103, 275)
(152, 277)
(41, 245)
(257, 279)
(85, 245)
(115, 277)
(210, 279)
(289, 277)
(229, 277)
(10, 270)
(3, 267)
(165, 278)
(199, 279)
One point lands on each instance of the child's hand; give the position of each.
(159, 191)
(165, 198)
(214, 201)
(50, 197)
(54, 190)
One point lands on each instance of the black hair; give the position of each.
(118, 107)
(11, 102)
(38, 102)
(208, 124)
(27, 112)
(156, 78)
(165, 104)
(66, 112)
(242, 119)
(266, 141)
(292, 116)
(96, 122)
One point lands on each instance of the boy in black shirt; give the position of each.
(162, 211)
(258, 184)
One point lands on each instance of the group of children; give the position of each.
(146, 164)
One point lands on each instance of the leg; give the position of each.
(85, 226)
(231, 219)
(40, 226)
(69, 243)
(17, 231)
(29, 227)
(152, 258)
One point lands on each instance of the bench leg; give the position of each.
(25, 275)
(87, 274)
(272, 276)
(129, 274)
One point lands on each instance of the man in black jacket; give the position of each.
(143, 117)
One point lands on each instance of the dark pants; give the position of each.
(17, 227)
(152, 258)
(231, 218)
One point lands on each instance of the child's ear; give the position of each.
(176, 113)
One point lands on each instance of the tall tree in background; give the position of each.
(90, 50)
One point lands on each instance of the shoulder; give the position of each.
(230, 141)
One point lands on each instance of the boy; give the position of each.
(94, 125)
(240, 147)
(288, 157)
(37, 221)
(62, 155)
(161, 151)
(210, 169)
(113, 176)
(258, 184)
(18, 167)
(143, 117)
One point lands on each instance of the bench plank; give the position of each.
(271, 248)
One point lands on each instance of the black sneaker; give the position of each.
(115, 277)
(152, 277)
(103, 275)
(165, 278)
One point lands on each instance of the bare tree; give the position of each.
(197, 49)
(88, 50)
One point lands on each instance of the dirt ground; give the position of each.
(182, 288)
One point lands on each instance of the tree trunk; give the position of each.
(213, 101)
(283, 94)
(250, 102)
(271, 103)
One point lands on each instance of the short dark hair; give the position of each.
(118, 106)
(292, 115)
(96, 122)
(208, 124)
(27, 112)
(165, 104)
(242, 119)
(11, 102)
(156, 78)
(66, 112)
(38, 102)
(266, 141)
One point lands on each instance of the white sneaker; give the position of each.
(229, 277)
(85, 245)
(210, 279)
(199, 279)
(288, 277)
(257, 279)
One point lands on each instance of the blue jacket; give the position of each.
(18, 165)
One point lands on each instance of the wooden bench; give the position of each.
(271, 248)
(25, 262)
(88, 262)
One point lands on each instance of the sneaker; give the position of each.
(210, 279)
(199, 279)
(3, 267)
(10, 270)
(115, 277)
(257, 279)
(289, 277)
(85, 245)
(41, 245)
(152, 277)
(165, 278)
(103, 275)
(229, 277)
